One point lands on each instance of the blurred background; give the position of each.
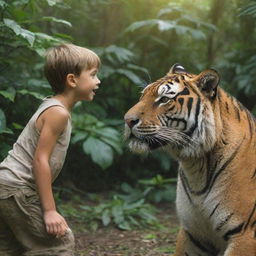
(138, 41)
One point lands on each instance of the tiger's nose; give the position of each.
(131, 120)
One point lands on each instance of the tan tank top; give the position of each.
(16, 169)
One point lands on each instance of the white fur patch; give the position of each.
(169, 90)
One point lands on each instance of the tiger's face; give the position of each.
(175, 112)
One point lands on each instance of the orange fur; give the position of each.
(213, 137)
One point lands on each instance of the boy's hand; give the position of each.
(55, 223)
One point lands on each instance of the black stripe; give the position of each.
(184, 186)
(197, 243)
(208, 178)
(168, 86)
(227, 108)
(185, 92)
(181, 101)
(223, 222)
(233, 231)
(215, 208)
(223, 167)
(251, 214)
(249, 122)
(192, 129)
(171, 108)
(189, 105)
(206, 247)
(237, 113)
(254, 174)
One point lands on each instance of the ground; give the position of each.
(110, 241)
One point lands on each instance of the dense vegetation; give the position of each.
(137, 40)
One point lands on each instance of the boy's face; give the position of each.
(86, 84)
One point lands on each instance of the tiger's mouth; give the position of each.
(144, 143)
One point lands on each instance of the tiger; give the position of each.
(212, 136)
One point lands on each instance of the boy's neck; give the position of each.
(67, 101)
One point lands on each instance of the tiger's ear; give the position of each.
(176, 69)
(207, 81)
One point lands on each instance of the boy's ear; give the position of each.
(207, 81)
(176, 69)
(70, 80)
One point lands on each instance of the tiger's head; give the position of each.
(175, 112)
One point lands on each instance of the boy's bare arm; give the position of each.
(50, 124)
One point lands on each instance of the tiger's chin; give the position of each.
(140, 146)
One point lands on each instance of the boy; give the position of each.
(29, 222)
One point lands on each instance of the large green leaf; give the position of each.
(19, 31)
(8, 94)
(100, 152)
(2, 3)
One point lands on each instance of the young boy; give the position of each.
(29, 221)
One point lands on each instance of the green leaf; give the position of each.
(125, 226)
(79, 136)
(121, 54)
(117, 212)
(2, 4)
(2, 121)
(17, 126)
(20, 2)
(53, 19)
(34, 94)
(100, 152)
(140, 24)
(10, 95)
(114, 144)
(51, 2)
(19, 31)
(130, 75)
(106, 217)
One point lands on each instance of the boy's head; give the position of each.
(67, 59)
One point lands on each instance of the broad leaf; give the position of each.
(106, 217)
(10, 95)
(2, 3)
(100, 152)
(19, 31)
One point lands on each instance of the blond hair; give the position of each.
(67, 59)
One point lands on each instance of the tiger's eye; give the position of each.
(164, 99)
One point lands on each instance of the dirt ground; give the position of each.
(110, 241)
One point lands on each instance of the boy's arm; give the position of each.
(51, 124)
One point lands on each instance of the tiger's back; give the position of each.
(213, 137)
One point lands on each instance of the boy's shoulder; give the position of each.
(55, 117)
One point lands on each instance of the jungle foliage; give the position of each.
(138, 41)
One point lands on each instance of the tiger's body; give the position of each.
(214, 139)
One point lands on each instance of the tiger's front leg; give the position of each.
(188, 246)
(180, 245)
(244, 245)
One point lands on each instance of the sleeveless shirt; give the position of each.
(16, 168)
